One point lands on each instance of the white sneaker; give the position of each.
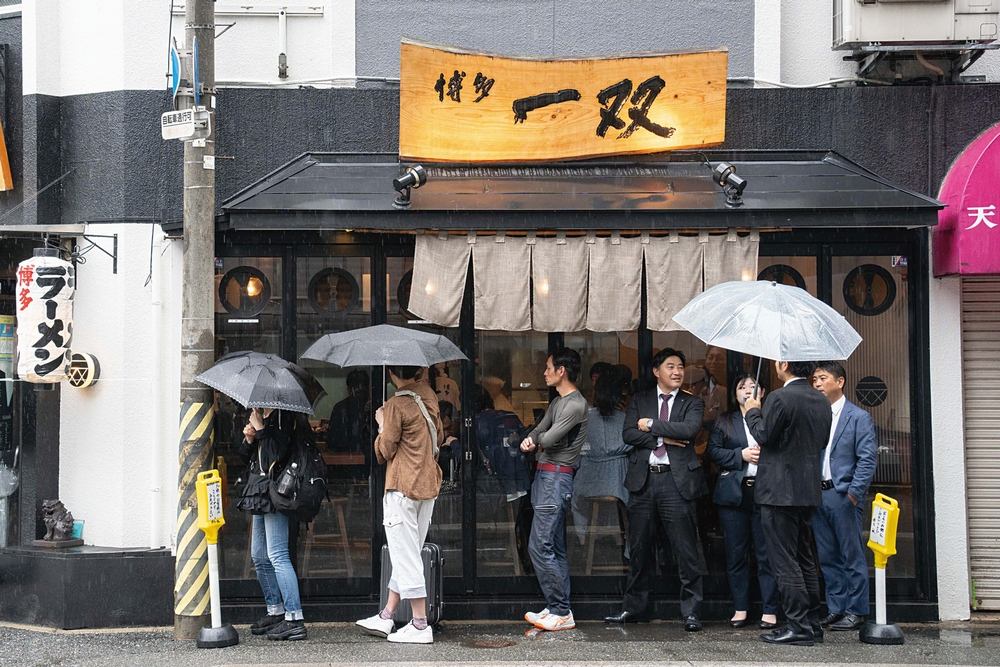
(376, 625)
(410, 635)
(533, 617)
(553, 622)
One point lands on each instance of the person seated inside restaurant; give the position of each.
(350, 429)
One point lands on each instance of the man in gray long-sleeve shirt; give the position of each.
(558, 439)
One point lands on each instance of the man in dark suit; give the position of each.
(664, 479)
(791, 435)
(847, 468)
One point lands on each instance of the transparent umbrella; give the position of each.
(769, 320)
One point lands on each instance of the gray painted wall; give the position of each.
(558, 28)
(909, 135)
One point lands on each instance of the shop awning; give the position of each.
(336, 191)
(967, 238)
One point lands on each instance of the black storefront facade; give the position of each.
(321, 239)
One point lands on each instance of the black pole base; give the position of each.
(885, 635)
(220, 637)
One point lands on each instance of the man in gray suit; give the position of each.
(848, 467)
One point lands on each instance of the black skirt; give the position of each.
(254, 496)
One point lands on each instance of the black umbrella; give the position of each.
(256, 380)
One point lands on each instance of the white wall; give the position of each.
(88, 46)
(118, 446)
(319, 47)
(806, 38)
(952, 542)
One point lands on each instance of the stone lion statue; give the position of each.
(58, 521)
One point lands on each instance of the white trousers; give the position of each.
(406, 522)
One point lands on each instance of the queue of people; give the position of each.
(793, 475)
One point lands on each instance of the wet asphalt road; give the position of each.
(503, 643)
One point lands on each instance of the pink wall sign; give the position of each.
(967, 236)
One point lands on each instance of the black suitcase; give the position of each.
(433, 578)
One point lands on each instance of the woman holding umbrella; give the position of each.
(267, 442)
(280, 395)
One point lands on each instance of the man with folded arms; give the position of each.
(664, 479)
(558, 440)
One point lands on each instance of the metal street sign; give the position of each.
(186, 124)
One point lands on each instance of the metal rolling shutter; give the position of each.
(980, 366)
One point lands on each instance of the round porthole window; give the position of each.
(869, 290)
(244, 291)
(871, 391)
(333, 290)
(783, 275)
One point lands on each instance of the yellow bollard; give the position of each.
(882, 542)
(208, 490)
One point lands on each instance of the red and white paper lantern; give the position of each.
(44, 306)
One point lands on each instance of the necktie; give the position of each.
(661, 449)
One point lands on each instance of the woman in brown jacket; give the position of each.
(410, 433)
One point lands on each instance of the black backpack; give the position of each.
(309, 486)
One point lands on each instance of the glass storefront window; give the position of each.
(872, 293)
(248, 311)
(334, 294)
(510, 397)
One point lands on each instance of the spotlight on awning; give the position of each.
(724, 175)
(413, 177)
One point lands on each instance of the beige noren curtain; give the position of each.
(501, 267)
(614, 300)
(440, 266)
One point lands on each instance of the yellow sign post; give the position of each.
(882, 541)
(208, 490)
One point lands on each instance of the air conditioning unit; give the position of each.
(901, 23)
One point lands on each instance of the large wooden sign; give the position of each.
(458, 106)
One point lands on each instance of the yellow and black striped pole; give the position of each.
(191, 591)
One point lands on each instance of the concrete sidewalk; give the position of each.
(490, 643)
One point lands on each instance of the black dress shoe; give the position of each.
(625, 616)
(787, 636)
(831, 618)
(692, 624)
(742, 623)
(764, 625)
(817, 634)
(848, 622)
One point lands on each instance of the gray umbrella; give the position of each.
(256, 380)
(383, 345)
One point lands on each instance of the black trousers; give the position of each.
(661, 501)
(792, 556)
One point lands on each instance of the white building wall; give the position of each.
(118, 438)
(947, 434)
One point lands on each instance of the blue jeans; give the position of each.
(269, 553)
(551, 493)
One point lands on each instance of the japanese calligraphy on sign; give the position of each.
(44, 308)
(468, 107)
